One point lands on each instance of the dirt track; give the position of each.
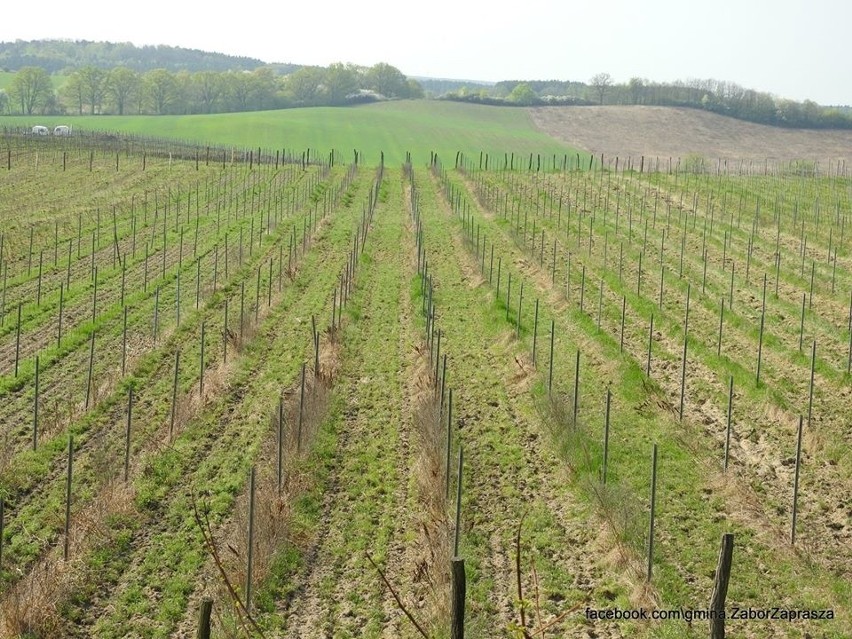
(676, 132)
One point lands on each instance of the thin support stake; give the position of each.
(653, 509)
(796, 482)
(728, 426)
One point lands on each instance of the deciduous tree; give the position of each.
(523, 94)
(30, 89)
(601, 83)
(387, 80)
(161, 88)
(122, 84)
(92, 84)
(340, 81)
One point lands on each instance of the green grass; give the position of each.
(416, 126)
(690, 517)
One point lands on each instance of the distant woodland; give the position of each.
(724, 98)
(65, 77)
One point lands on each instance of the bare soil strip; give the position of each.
(677, 132)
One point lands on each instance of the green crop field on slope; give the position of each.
(416, 126)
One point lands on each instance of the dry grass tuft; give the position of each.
(34, 605)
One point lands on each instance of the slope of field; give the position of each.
(415, 126)
(677, 132)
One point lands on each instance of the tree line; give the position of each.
(725, 98)
(120, 90)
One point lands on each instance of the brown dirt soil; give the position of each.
(675, 132)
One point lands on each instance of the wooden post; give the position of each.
(457, 530)
(720, 587)
(204, 619)
(459, 585)
(459, 589)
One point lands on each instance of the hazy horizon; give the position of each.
(789, 48)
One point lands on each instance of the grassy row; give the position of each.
(694, 502)
(210, 459)
(152, 379)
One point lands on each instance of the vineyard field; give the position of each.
(291, 394)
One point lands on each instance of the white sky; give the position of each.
(798, 49)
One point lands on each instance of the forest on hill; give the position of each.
(62, 56)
